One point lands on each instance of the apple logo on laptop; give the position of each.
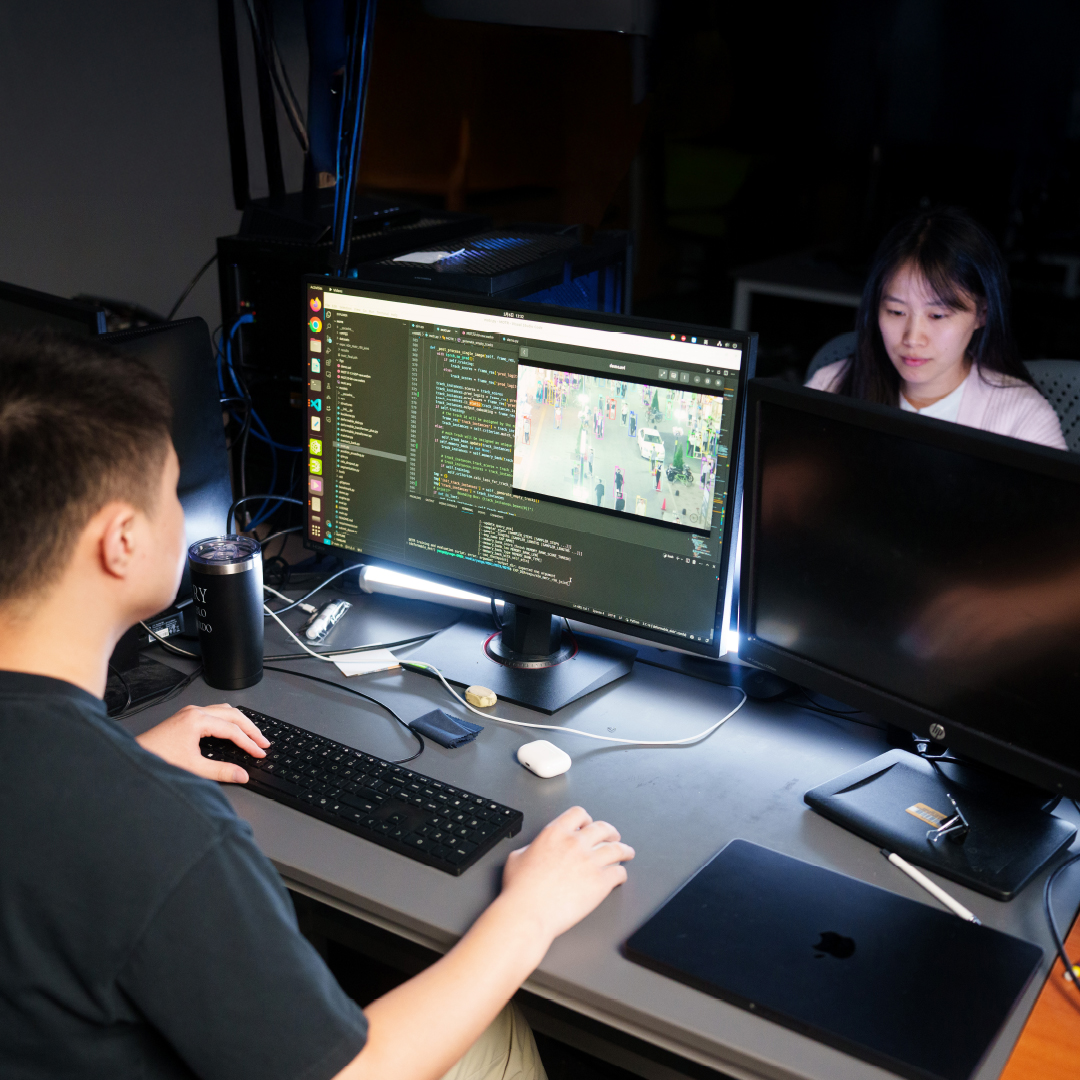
(835, 945)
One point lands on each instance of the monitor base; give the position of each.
(459, 653)
(1009, 841)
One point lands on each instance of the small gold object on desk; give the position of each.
(480, 697)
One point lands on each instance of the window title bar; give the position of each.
(515, 326)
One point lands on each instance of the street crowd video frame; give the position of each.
(617, 446)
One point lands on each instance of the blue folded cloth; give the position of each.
(445, 729)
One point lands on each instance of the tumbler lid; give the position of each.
(224, 554)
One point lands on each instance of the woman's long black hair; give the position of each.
(959, 261)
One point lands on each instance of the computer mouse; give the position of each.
(544, 758)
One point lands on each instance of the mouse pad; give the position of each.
(898, 983)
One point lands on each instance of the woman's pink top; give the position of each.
(991, 402)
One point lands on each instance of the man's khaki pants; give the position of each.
(505, 1051)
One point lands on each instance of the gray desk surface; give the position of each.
(677, 807)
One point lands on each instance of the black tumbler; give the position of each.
(227, 583)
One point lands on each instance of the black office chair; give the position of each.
(837, 348)
(1059, 382)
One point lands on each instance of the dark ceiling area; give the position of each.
(740, 133)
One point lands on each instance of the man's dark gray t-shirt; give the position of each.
(142, 933)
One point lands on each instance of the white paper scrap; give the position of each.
(424, 257)
(364, 663)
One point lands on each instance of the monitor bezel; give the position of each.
(75, 311)
(893, 709)
(748, 343)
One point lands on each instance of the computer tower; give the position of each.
(260, 272)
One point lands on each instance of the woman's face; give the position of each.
(925, 339)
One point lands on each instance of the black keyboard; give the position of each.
(402, 810)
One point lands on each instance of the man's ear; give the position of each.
(118, 540)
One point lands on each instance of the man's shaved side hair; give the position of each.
(80, 426)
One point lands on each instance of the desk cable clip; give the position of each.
(956, 828)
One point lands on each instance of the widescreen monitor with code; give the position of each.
(587, 464)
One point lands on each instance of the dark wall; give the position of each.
(114, 168)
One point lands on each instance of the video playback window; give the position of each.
(617, 446)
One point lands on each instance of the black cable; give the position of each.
(361, 648)
(249, 498)
(191, 285)
(367, 697)
(825, 708)
(280, 532)
(266, 42)
(279, 557)
(1058, 943)
(127, 692)
(242, 434)
(812, 706)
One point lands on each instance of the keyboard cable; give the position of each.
(367, 697)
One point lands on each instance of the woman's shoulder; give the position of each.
(998, 380)
(829, 376)
(1009, 391)
(1009, 406)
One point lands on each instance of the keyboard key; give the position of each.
(279, 783)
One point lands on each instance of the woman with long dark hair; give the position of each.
(933, 333)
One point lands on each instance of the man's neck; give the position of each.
(61, 635)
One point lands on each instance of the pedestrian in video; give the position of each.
(527, 425)
(625, 408)
(558, 417)
(599, 492)
(601, 427)
(633, 423)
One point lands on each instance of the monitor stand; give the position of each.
(897, 799)
(531, 661)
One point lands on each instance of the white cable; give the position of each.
(168, 645)
(274, 616)
(288, 600)
(573, 731)
(321, 585)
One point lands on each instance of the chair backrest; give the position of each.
(1059, 382)
(837, 348)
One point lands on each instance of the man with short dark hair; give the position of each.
(142, 933)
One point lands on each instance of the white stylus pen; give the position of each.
(934, 890)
